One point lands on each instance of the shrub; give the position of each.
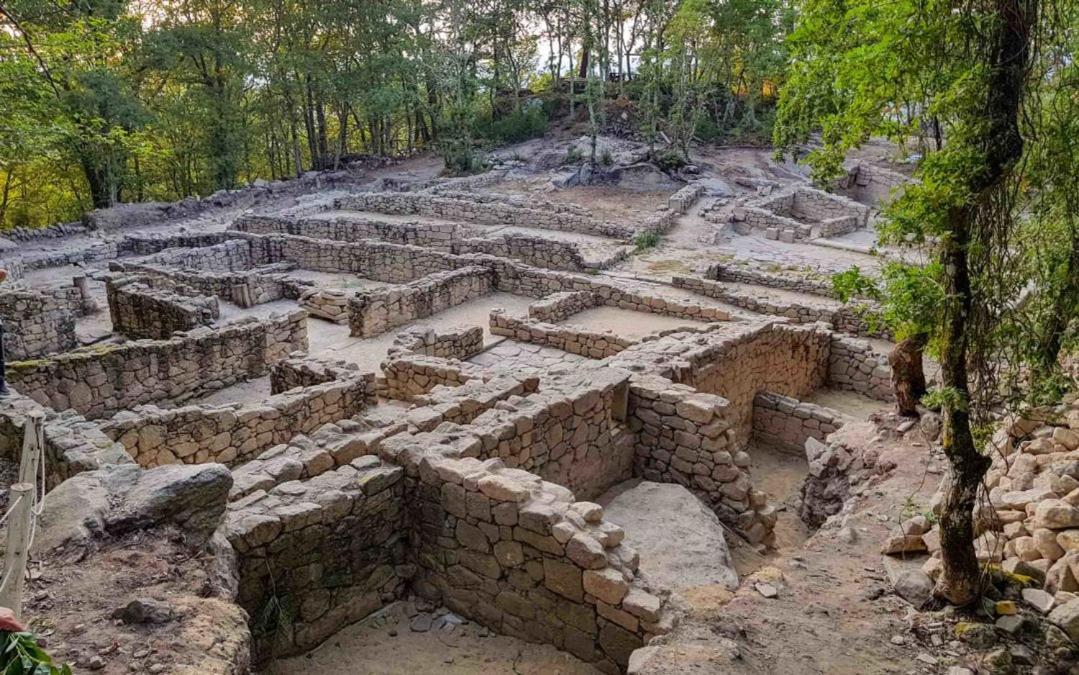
(20, 654)
(520, 125)
(646, 240)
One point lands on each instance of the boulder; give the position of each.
(1067, 617)
(656, 514)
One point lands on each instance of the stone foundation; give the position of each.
(154, 308)
(99, 381)
(785, 423)
(37, 323)
(375, 312)
(855, 366)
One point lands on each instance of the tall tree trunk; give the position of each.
(1009, 54)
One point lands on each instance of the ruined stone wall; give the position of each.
(300, 370)
(786, 423)
(539, 251)
(406, 375)
(558, 307)
(38, 323)
(72, 443)
(245, 289)
(745, 275)
(236, 433)
(229, 256)
(101, 380)
(568, 338)
(375, 311)
(491, 213)
(855, 366)
(680, 202)
(464, 403)
(355, 227)
(515, 553)
(318, 555)
(143, 244)
(846, 318)
(801, 213)
(870, 184)
(692, 439)
(462, 342)
(155, 308)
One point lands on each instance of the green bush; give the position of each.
(670, 160)
(521, 125)
(646, 240)
(21, 655)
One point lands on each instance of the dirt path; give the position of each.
(835, 612)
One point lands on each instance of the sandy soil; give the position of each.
(386, 643)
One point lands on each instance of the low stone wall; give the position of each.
(463, 404)
(785, 423)
(539, 251)
(560, 306)
(38, 323)
(790, 282)
(845, 317)
(236, 433)
(801, 213)
(455, 343)
(316, 556)
(355, 227)
(101, 380)
(568, 338)
(257, 286)
(72, 443)
(870, 184)
(376, 311)
(491, 213)
(152, 307)
(406, 375)
(855, 366)
(144, 244)
(680, 202)
(228, 256)
(300, 370)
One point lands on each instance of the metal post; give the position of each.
(18, 541)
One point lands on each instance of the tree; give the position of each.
(958, 79)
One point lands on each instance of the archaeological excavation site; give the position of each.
(380, 420)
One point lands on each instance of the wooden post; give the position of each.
(18, 541)
(33, 442)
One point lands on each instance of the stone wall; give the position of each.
(100, 380)
(260, 285)
(680, 202)
(406, 375)
(72, 443)
(785, 423)
(491, 213)
(355, 227)
(568, 338)
(228, 256)
(847, 318)
(233, 434)
(38, 323)
(462, 342)
(692, 439)
(300, 370)
(855, 366)
(870, 184)
(515, 553)
(375, 311)
(801, 213)
(316, 556)
(558, 307)
(155, 308)
(787, 281)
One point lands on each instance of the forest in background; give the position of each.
(109, 101)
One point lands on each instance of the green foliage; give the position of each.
(670, 160)
(518, 126)
(645, 240)
(573, 155)
(21, 655)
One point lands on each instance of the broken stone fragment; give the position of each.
(900, 544)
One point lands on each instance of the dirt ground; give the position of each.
(389, 642)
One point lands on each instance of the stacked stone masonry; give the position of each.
(235, 433)
(377, 311)
(801, 213)
(38, 323)
(785, 423)
(101, 380)
(155, 308)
